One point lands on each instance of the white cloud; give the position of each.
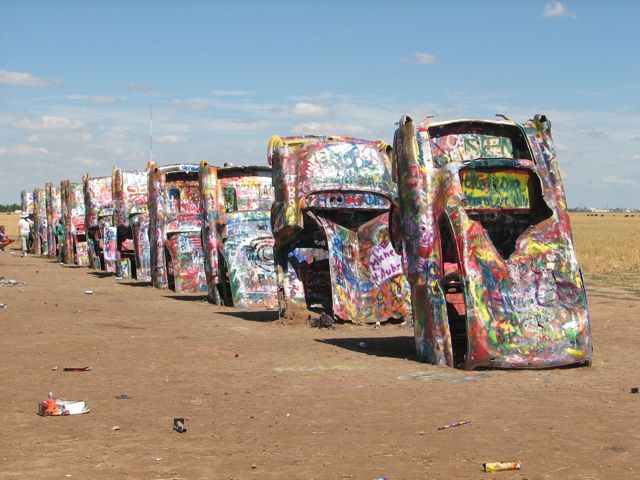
(615, 180)
(26, 150)
(228, 125)
(169, 139)
(22, 79)
(315, 128)
(195, 104)
(420, 58)
(66, 137)
(636, 157)
(85, 160)
(3, 151)
(309, 110)
(556, 9)
(230, 93)
(178, 127)
(47, 123)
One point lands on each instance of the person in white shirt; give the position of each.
(24, 227)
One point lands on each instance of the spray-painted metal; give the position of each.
(131, 218)
(27, 201)
(175, 224)
(101, 234)
(40, 229)
(483, 223)
(238, 247)
(53, 216)
(330, 221)
(73, 213)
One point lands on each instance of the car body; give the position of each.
(72, 211)
(131, 219)
(175, 225)
(53, 216)
(482, 221)
(40, 229)
(331, 228)
(101, 234)
(238, 244)
(27, 201)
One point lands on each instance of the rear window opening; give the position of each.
(505, 201)
(350, 218)
(468, 141)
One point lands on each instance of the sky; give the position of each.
(78, 79)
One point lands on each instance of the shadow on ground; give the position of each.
(254, 316)
(188, 298)
(135, 284)
(102, 274)
(391, 347)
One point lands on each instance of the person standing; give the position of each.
(24, 228)
(60, 234)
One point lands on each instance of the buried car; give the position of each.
(175, 224)
(238, 246)
(483, 224)
(331, 228)
(40, 229)
(72, 212)
(131, 219)
(53, 217)
(101, 234)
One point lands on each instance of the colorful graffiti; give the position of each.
(40, 224)
(73, 213)
(27, 201)
(331, 228)
(177, 259)
(98, 199)
(54, 215)
(130, 196)
(482, 223)
(236, 203)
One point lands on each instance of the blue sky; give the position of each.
(77, 79)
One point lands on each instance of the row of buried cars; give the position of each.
(460, 227)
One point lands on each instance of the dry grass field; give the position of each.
(608, 249)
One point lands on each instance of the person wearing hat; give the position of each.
(24, 227)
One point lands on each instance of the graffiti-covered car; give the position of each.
(175, 224)
(131, 219)
(53, 217)
(238, 246)
(483, 221)
(72, 210)
(40, 229)
(26, 199)
(331, 228)
(101, 234)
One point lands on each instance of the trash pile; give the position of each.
(5, 282)
(54, 406)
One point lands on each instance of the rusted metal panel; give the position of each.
(236, 203)
(330, 223)
(177, 258)
(131, 218)
(485, 233)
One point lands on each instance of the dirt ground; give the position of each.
(267, 400)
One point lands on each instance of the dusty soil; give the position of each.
(268, 400)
